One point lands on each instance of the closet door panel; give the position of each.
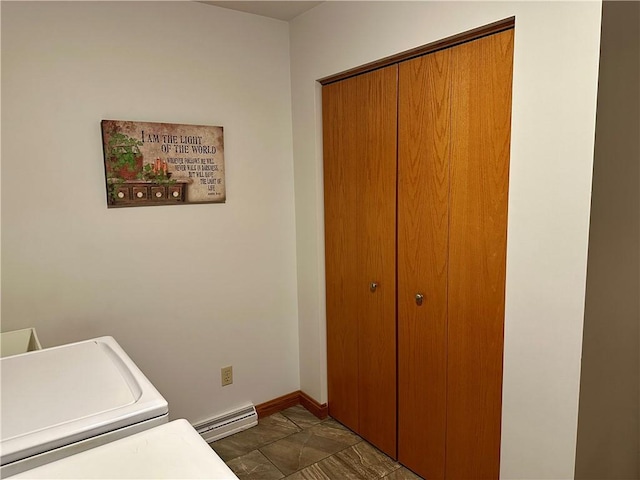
(341, 150)
(376, 158)
(481, 118)
(423, 216)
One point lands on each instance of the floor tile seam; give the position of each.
(347, 464)
(344, 461)
(258, 447)
(300, 431)
(320, 460)
(341, 450)
(346, 448)
(337, 428)
(300, 426)
(263, 455)
(225, 460)
(267, 457)
(284, 414)
(251, 471)
(398, 465)
(284, 475)
(316, 463)
(319, 421)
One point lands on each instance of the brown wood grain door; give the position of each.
(451, 111)
(424, 130)
(479, 175)
(340, 142)
(377, 132)
(359, 134)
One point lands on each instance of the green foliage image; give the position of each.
(123, 152)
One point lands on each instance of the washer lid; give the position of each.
(172, 450)
(65, 394)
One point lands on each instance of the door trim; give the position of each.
(469, 35)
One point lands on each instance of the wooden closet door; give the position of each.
(377, 137)
(341, 149)
(481, 122)
(423, 217)
(359, 133)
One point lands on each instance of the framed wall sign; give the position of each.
(162, 163)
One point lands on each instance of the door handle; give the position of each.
(373, 286)
(419, 299)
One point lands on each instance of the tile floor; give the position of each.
(295, 445)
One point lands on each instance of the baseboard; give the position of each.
(278, 404)
(291, 400)
(319, 410)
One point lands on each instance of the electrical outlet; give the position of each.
(227, 375)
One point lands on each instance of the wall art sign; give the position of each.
(162, 163)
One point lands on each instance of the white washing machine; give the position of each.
(173, 450)
(63, 400)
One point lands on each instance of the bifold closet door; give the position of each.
(481, 81)
(359, 134)
(339, 109)
(453, 162)
(424, 127)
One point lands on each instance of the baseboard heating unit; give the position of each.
(227, 424)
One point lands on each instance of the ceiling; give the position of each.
(281, 10)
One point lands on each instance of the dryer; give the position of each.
(63, 400)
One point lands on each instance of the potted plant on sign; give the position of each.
(125, 158)
(157, 172)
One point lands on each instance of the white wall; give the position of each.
(185, 290)
(554, 101)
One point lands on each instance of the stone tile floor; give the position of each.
(295, 445)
